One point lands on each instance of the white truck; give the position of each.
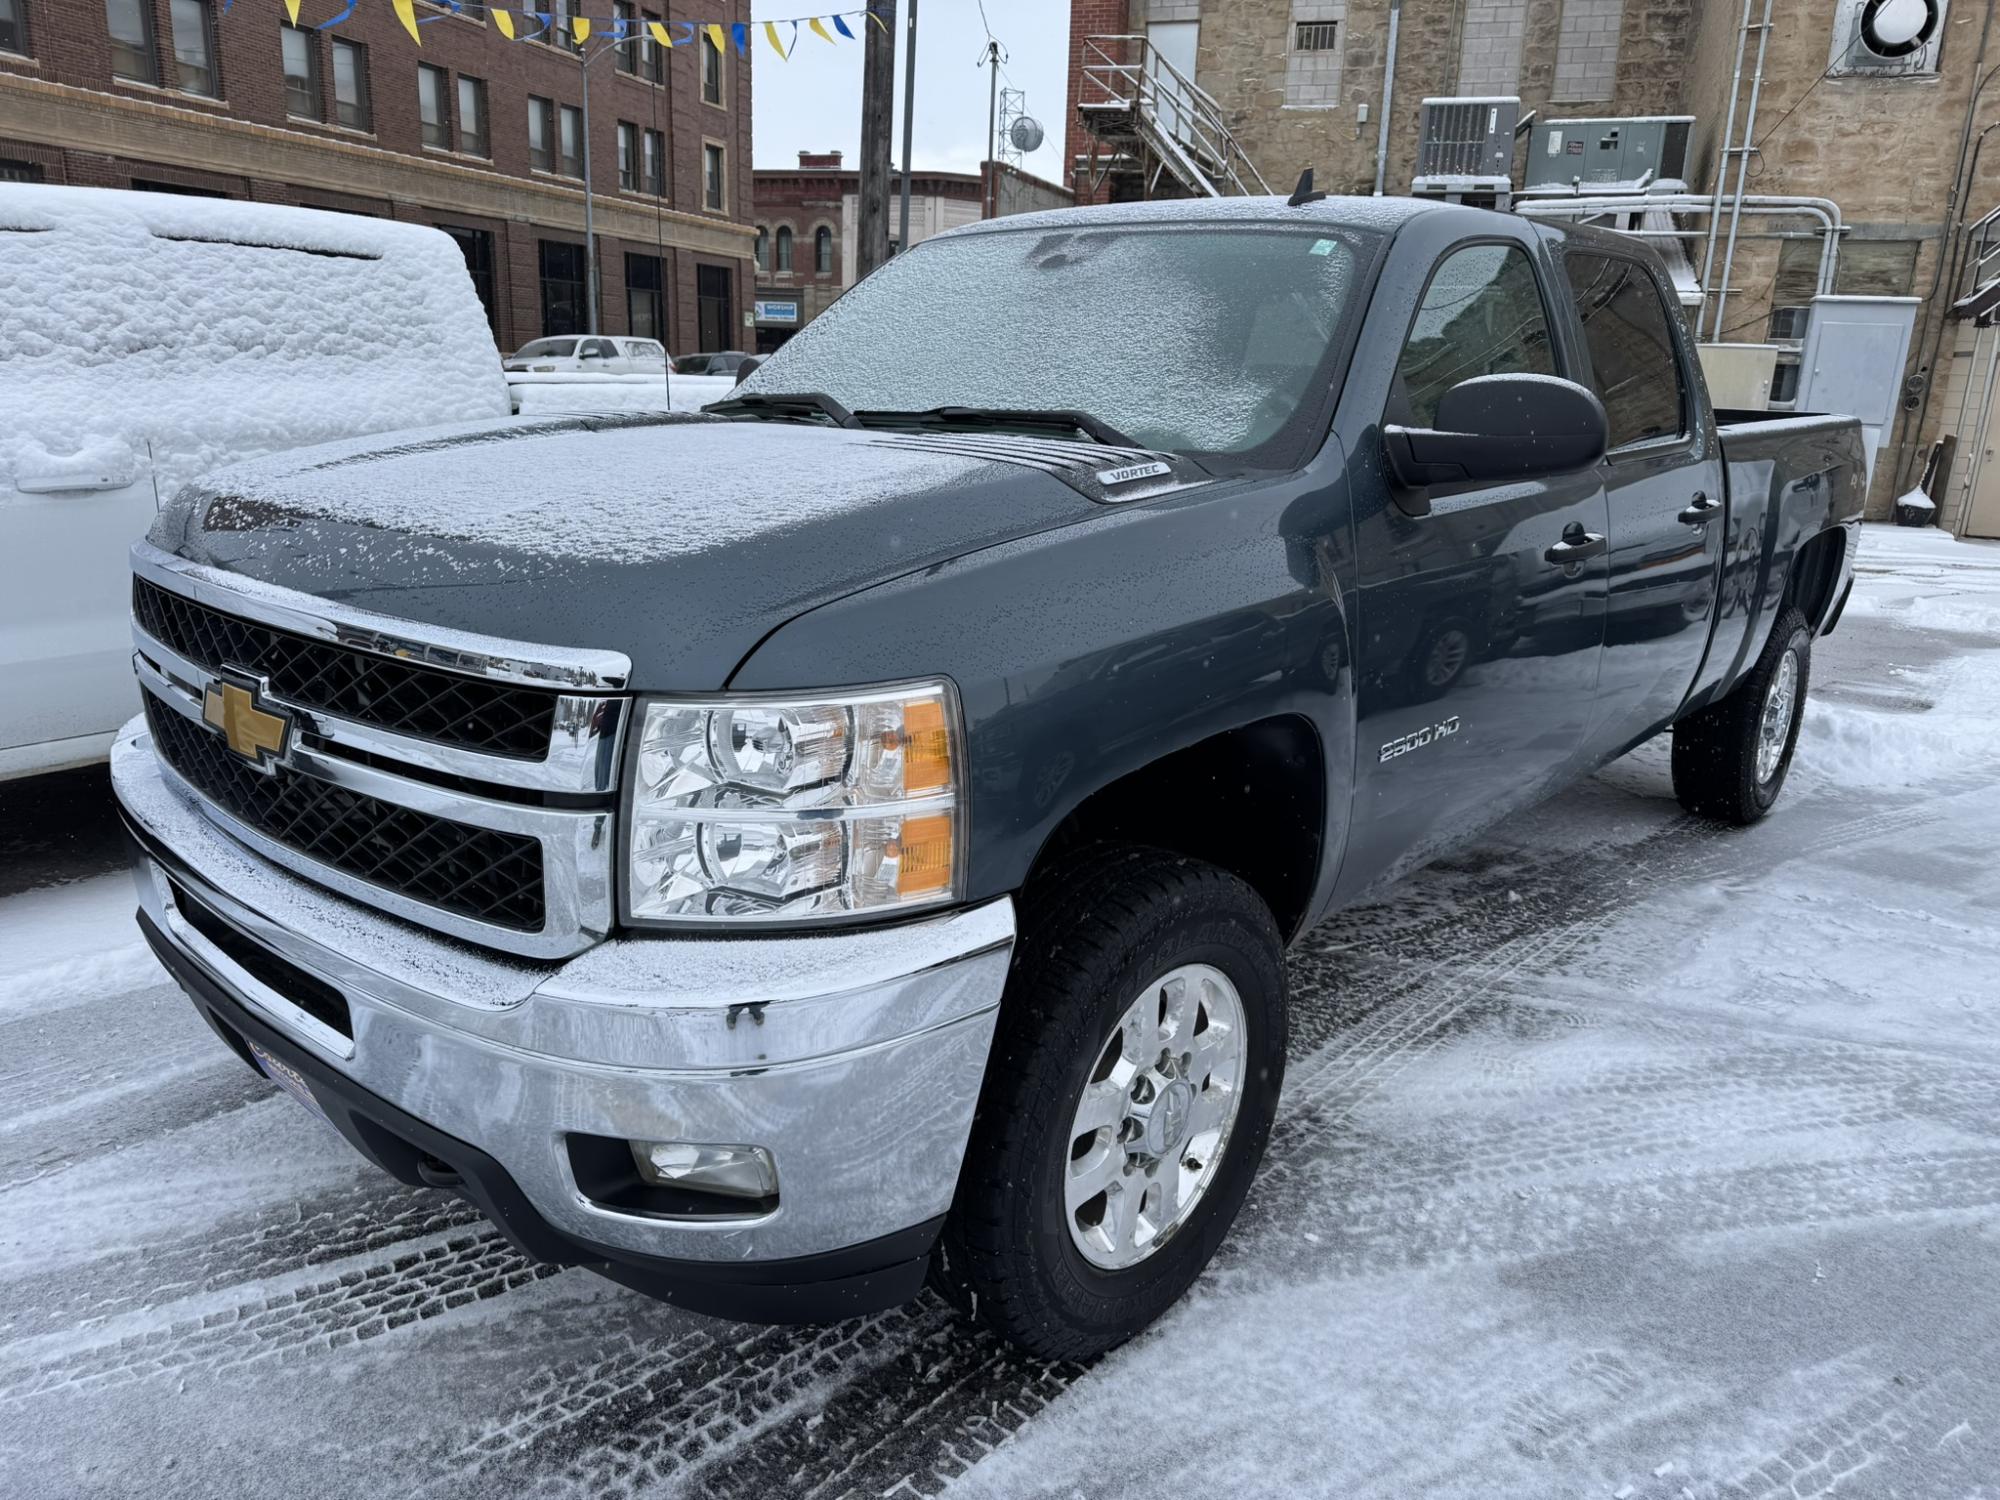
(146, 338)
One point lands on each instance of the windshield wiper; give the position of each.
(792, 406)
(996, 417)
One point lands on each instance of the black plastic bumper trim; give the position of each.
(824, 1288)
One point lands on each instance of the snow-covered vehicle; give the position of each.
(146, 337)
(852, 837)
(591, 355)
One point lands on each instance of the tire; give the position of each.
(1716, 751)
(1094, 942)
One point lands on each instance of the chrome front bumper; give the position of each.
(855, 1059)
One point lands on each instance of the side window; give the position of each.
(1481, 315)
(1637, 374)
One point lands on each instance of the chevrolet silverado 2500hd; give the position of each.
(779, 855)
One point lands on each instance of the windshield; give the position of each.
(548, 349)
(1197, 339)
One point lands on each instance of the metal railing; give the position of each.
(1131, 91)
(1982, 256)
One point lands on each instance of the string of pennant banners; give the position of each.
(528, 23)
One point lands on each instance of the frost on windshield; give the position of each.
(1190, 339)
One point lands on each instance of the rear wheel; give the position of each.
(1731, 758)
(1133, 1080)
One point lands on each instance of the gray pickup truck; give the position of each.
(778, 856)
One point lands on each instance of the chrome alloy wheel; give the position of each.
(1776, 725)
(1154, 1120)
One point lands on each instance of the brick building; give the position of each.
(1887, 126)
(471, 132)
(807, 220)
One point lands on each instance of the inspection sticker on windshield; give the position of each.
(1322, 247)
(1131, 472)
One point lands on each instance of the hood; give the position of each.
(681, 541)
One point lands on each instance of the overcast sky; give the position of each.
(813, 102)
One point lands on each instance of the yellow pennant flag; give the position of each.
(579, 27)
(771, 36)
(715, 35)
(505, 22)
(406, 12)
(660, 33)
(820, 26)
(292, 9)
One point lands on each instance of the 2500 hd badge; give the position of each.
(1416, 739)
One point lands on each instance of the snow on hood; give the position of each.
(680, 540)
(215, 330)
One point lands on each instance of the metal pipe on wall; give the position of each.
(1388, 96)
(1823, 209)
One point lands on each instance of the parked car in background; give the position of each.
(146, 338)
(728, 362)
(593, 355)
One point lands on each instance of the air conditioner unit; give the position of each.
(1467, 138)
(1887, 37)
(1789, 322)
(1607, 154)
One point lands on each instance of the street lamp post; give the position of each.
(584, 60)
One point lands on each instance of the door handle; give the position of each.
(1576, 545)
(1702, 511)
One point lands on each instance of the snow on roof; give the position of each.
(1385, 214)
(214, 330)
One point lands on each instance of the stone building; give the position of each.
(807, 220)
(1877, 107)
(471, 132)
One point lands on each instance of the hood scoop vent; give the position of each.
(1107, 475)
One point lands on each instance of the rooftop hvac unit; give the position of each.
(1599, 154)
(1789, 322)
(1892, 37)
(1461, 138)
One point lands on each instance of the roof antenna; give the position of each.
(1303, 193)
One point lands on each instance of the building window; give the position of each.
(131, 23)
(711, 70)
(823, 251)
(626, 27)
(301, 73)
(19, 171)
(477, 247)
(784, 249)
(541, 134)
(652, 58)
(562, 288)
(433, 86)
(1314, 36)
(565, 11)
(13, 28)
(653, 161)
(474, 139)
(628, 157)
(761, 254)
(645, 301)
(712, 177)
(352, 105)
(570, 119)
(194, 48)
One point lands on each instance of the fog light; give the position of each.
(731, 1171)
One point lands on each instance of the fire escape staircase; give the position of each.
(1981, 299)
(1148, 122)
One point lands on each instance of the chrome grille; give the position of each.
(443, 707)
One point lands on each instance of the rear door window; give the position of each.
(1634, 368)
(1482, 314)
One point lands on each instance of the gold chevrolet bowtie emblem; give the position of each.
(255, 734)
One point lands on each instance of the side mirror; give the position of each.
(1495, 428)
(746, 368)
(591, 354)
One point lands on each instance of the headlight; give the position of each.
(792, 809)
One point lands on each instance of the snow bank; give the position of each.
(69, 944)
(540, 395)
(213, 331)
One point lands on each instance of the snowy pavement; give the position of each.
(1621, 1156)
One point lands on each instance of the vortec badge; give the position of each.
(1133, 471)
(1430, 734)
(252, 733)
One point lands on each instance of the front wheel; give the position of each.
(1133, 1080)
(1730, 759)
